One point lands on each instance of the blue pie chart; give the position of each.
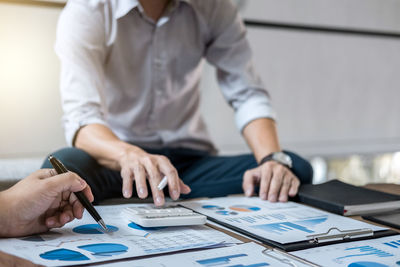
(87, 229)
(367, 264)
(63, 254)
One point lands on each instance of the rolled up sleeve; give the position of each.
(80, 46)
(229, 51)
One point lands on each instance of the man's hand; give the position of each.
(134, 163)
(275, 180)
(41, 201)
(7, 260)
(138, 165)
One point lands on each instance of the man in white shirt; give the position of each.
(130, 73)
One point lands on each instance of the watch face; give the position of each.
(282, 158)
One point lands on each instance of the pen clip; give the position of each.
(334, 234)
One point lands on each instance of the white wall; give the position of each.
(359, 14)
(335, 94)
(29, 71)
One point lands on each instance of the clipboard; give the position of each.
(266, 222)
(333, 236)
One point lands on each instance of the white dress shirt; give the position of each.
(141, 78)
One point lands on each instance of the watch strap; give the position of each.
(265, 159)
(270, 157)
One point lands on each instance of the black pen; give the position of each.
(60, 168)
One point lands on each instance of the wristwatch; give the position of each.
(279, 157)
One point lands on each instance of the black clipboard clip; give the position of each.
(285, 258)
(335, 234)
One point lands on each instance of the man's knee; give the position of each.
(74, 159)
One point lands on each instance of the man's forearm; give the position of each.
(101, 143)
(262, 137)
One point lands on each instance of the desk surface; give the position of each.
(389, 188)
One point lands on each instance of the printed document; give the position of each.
(249, 254)
(281, 222)
(83, 241)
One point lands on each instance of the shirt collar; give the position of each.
(122, 7)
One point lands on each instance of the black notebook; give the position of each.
(346, 199)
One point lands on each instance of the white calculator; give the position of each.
(148, 216)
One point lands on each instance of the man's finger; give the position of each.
(276, 183)
(65, 182)
(54, 221)
(43, 173)
(168, 170)
(87, 191)
(294, 186)
(266, 176)
(185, 189)
(66, 215)
(283, 194)
(127, 182)
(77, 209)
(158, 195)
(154, 178)
(140, 181)
(248, 183)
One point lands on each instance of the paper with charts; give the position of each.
(281, 222)
(379, 252)
(249, 254)
(83, 241)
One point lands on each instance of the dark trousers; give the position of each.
(207, 175)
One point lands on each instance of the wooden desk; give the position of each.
(387, 188)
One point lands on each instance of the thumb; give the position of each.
(65, 182)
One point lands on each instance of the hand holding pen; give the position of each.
(42, 201)
(60, 168)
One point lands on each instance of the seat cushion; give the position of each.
(14, 169)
